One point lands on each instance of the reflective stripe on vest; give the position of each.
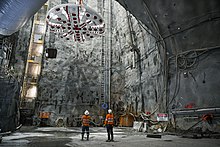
(85, 120)
(110, 119)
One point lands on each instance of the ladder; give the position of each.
(105, 9)
(103, 89)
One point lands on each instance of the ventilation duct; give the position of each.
(15, 13)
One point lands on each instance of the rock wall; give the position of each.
(72, 82)
(13, 53)
(137, 81)
(190, 35)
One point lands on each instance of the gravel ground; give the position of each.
(124, 137)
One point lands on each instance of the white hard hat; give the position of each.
(86, 112)
(109, 111)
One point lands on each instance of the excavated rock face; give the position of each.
(168, 63)
(9, 102)
(190, 33)
(9, 84)
(72, 82)
(137, 82)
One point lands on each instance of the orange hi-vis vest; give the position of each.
(109, 119)
(86, 120)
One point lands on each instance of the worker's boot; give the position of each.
(112, 138)
(82, 137)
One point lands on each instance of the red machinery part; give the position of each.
(77, 21)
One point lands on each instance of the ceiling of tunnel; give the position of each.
(185, 25)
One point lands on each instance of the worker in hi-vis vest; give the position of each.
(85, 124)
(109, 122)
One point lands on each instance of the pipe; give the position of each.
(110, 53)
(15, 13)
(196, 111)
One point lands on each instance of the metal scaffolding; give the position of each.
(34, 60)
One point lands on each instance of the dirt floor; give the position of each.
(124, 137)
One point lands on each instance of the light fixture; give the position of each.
(75, 21)
(32, 92)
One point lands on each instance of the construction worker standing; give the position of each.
(109, 122)
(85, 124)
